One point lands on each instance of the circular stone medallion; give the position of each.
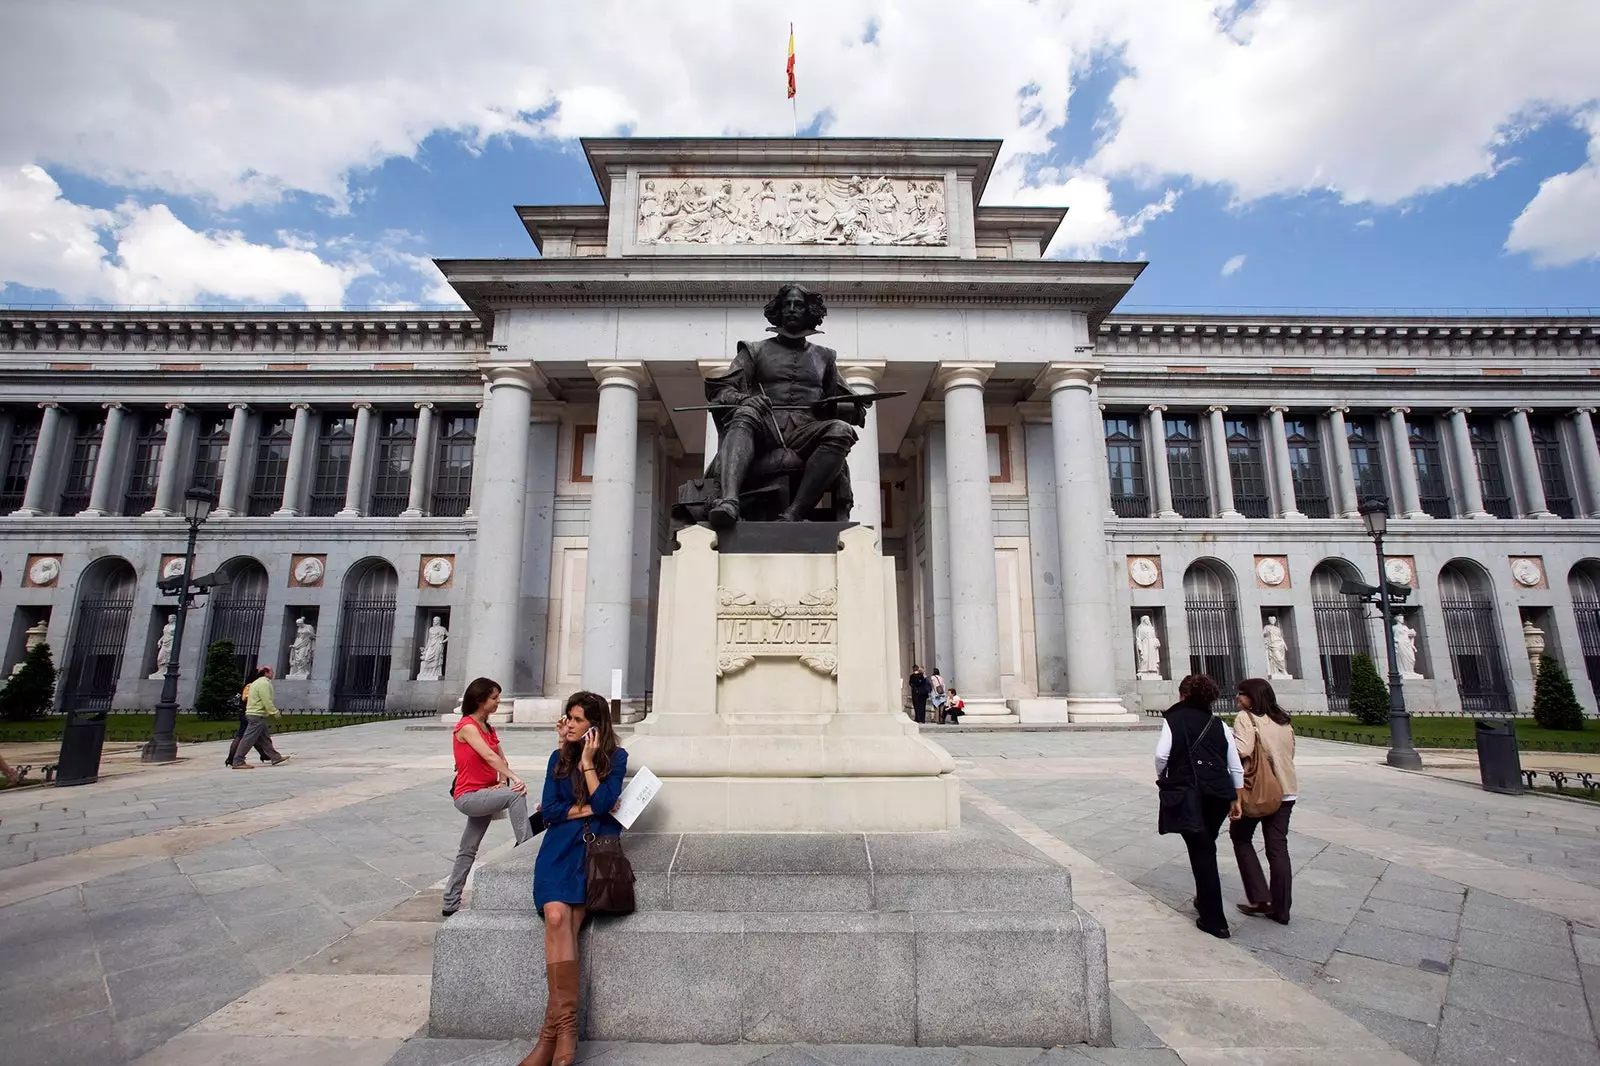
(1399, 571)
(174, 567)
(1270, 571)
(308, 571)
(1144, 572)
(45, 571)
(1527, 572)
(437, 571)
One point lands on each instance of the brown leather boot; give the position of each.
(544, 1051)
(564, 978)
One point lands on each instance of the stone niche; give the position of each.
(776, 706)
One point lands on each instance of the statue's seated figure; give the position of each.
(785, 425)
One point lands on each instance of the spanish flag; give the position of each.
(791, 61)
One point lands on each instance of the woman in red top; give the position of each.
(484, 784)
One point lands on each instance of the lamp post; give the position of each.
(163, 743)
(1375, 516)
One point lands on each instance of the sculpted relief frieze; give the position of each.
(748, 629)
(768, 211)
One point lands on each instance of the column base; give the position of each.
(158, 512)
(411, 512)
(1100, 710)
(1478, 514)
(347, 512)
(286, 512)
(1540, 514)
(1229, 514)
(26, 512)
(91, 512)
(1418, 514)
(1292, 515)
(1167, 514)
(988, 711)
(224, 512)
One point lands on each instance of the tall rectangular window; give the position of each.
(1366, 458)
(210, 450)
(391, 482)
(1185, 469)
(272, 464)
(1244, 464)
(1125, 466)
(14, 488)
(1305, 468)
(452, 468)
(1547, 450)
(997, 443)
(1491, 470)
(583, 441)
(80, 467)
(149, 443)
(1432, 489)
(334, 446)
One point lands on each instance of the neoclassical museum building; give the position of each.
(1055, 472)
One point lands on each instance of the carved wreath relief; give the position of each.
(718, 211)
(747, 629)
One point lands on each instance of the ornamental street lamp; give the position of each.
(1375, 516)
(163, 743)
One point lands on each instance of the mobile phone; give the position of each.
(589, 733)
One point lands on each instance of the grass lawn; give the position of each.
(1446, 733)
(190, 729)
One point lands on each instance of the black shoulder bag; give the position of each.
(608, 872)
(1180, 801)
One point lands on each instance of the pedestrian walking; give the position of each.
(920, 687)
(484, 785)
(1265, 741)
(1199, 774)
(581, 785)
(244, 723)
(259, 711)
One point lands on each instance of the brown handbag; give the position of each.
(1263, 792)
(608, 872)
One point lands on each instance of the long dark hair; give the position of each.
(478, 693)
(597, 712)
(1263, 701)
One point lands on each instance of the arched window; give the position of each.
(1472, 630)
(1212, 612)
(238, 610)
(99, 634)
(1342, 631)
(366, 637)
(1584, 583)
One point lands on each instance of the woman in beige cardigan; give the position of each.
(1262, 731)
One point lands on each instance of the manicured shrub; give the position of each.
(1369, 696)
(218, 697)
(31, 691)
(1555, 705)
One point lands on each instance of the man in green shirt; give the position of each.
(259, 710)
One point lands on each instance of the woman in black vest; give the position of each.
(1197, 747)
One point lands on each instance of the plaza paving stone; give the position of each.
(164, 913)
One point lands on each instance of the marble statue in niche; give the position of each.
(430, 665)
(164, 647)
(1147, 649)
(300, 652)
(1277, 649)
(1405, 650)
(769, 211)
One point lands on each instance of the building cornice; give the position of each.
(176, 333)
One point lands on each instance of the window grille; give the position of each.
(1245, 467)
(1211, 612)
(333, 465)
(80, 468)
(99, 635)
(1432, 490)
(1305, 469)
(1472, 631)
(1366, 458)
(1185, 471)
(272, 464)
(1125, 467)
(19, 463)
(1547, 451)
(149, 444)
(1491, 471)
(391, 483)
(238, 610)
(1586, 610)
(210, 451)
(1342, 633)
(452, 470)
(366, 641)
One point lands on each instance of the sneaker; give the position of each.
(281, 759)
(243, 766)
(448, 911)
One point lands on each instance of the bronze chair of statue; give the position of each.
(769, 485)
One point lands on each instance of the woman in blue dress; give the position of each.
(581, 785)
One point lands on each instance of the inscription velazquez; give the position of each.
(806, 630)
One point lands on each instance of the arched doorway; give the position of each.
(1211, 610)
(1472, 631)
(1584, 583)
(99, 634)
(366, 637)
(1342, 631)
(238, 610)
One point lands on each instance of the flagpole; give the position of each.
(796, 107)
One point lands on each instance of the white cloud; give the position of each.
(1561, 224)
(48, 242)
(1232, 266)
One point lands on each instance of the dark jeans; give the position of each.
(919, 706)
(1275, 837)
(1203, 862)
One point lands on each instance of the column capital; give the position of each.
(1583, 410)
(524, 376)
(1522, 410)
(363, 405)
(1156, 407)
(957, 375)
(114, 405)
(177, 405)
(1278, 409)
(1342, 409)
(610, 373)
(1397, 410)
(1461, 410)
(302, 406)
(49, 404)
(863, 372)
(1067, 376)
(1217, 409)
(425, 405)
(238, 407)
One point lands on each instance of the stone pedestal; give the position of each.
(776, 701)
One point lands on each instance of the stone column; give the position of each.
(865, 480)
(169, 496)
(1280, 459)
(502, 516)
(105, 467)
(1221, 472)
(1160, 476)
(1466, 464)
(421, 464)
(974, 615)
(44, 457)
(294, 477)
(228, 503)
(355, 484)
(1588, 456)
(1405, 467)
(479, 443)
(1533, 499)
(1076, 430)
(1345, 503)
(608, 599)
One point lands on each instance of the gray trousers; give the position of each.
(479, 807)
(257, 731)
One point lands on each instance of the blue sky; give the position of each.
(1255, 141)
